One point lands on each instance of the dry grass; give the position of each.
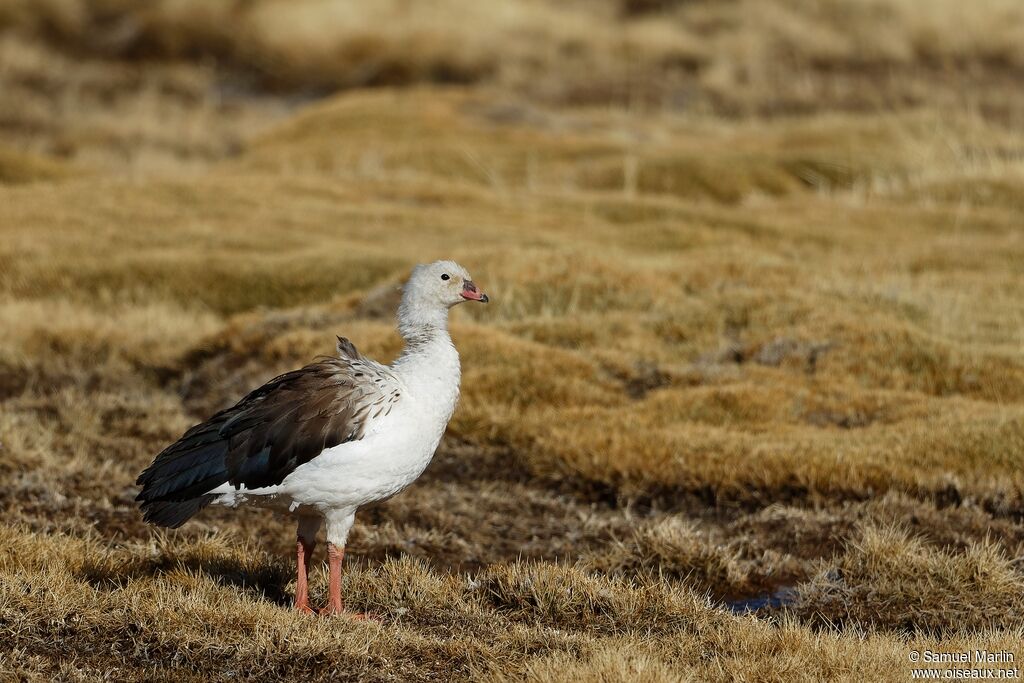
(764, 362)
(728, 56)
(184, 609)
(84, 113)
(887, 578)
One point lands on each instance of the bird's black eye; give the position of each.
(446, 277)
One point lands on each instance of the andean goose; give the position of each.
(324, 440)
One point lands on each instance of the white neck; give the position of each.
(419, 324)
(429, 364)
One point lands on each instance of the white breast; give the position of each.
(371, 469)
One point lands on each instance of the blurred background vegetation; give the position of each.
(186, 80)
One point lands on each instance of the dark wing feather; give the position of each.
(346, 349)
(262, 439)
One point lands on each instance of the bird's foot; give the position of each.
(304, 608)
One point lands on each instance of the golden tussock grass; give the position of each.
(732, 362)
(733, 56)
(889, 578)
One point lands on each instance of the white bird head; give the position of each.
(441, 284)
(432, 289)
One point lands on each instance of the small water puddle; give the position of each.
(781, 597)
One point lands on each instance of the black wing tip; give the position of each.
(143, 479)
(171, 514)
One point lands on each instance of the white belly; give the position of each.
(387, 459)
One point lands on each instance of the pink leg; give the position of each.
(305, 553)
(334, 557)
